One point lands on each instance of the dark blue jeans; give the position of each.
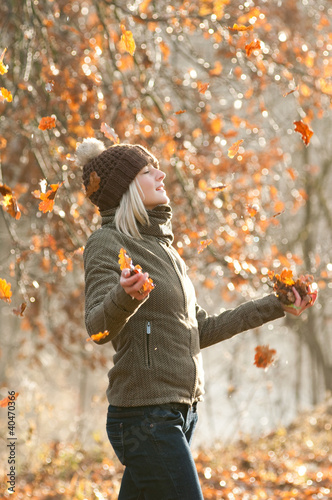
(153, 443)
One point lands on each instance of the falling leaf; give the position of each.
(240, 27)
(204, 244)
(109, 132)
(202, 87)
(304, 130)
(216, 70)
(250, 47)
(5, 292)
(3, 68)
(18, 311)
(278, 213)
(234, 148)
(180, 112)
(218, 188)
(264, 356)
(47, 203)
(9, 202)
(3, 143)
(47, 122)
(98, 336)
(93, 185)
(4, 402)
(252, 210)
(127, 42)
(291, 91)
(5, 95)
(126, 263)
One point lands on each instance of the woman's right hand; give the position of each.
(132, 285)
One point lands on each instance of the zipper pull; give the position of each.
(148, 328)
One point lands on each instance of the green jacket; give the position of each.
(157, 341)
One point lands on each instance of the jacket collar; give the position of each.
(160, 222)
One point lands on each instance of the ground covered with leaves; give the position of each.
(290, 463)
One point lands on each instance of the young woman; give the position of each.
(157, 378)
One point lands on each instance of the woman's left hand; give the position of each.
(301, 304)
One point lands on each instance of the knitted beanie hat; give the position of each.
(116, 167)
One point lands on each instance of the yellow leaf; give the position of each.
(6, 95)
(3, 68)
(5, 292)
(127, 42)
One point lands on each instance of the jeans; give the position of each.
(153, 444)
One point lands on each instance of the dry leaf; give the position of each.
(109, 132)
(250, 47)
(180, 112)
(127, 42)
(234, 148)
(4, 402)
(5, 292)
(218, 188)
(240, 27)
(202, 87)
(47, 203)
(5, 95)
(204, 244)
(93, 185)
(126, 263)
(291, 91)
(18, 311)
(304, 130)
(47, 122)
(3, 68)
(264, 356)
(98, 336)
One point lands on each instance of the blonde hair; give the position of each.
(130, 211)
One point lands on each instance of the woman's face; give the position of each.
(152, 189)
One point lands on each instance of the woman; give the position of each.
(157, 377)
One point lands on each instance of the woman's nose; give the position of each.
(160, 175)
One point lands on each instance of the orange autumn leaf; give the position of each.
(202, 87)
(204, 244)
(286, 277)
(216, 70)
(126, 263)
(127, 42)
(4, 402)
(109, 132)
(3, 143)
(93, 185)
(180, 112)
(9, 202)
(47, 122)
(250, 47)
(218, 188)
(291, 91)
(264, 356)
(234, 148)
(3, 68)
(98, 336)
(304, 130)
(252, 210)
(284, 282)
(5, 95)
(18, 311)
(240, 27)
(47, 203)
(5, 292)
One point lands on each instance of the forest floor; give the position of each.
(290, 463)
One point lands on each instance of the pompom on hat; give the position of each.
(116, 167)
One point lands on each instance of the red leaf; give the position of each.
(264, 356)
(304, 130)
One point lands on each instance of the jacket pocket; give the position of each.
(147, 336)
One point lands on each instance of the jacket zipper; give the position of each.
(148, 333)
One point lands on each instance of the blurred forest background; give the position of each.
(187, 79)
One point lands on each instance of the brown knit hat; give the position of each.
(116, 167)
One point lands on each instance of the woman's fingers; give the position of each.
(133, 285)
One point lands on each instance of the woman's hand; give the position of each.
(300, 304)
(132, 285)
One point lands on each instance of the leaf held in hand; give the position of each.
(264, 356)
(126, 263)
(283, 283)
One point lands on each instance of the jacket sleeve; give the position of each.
(107, 305)
(251, 314)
